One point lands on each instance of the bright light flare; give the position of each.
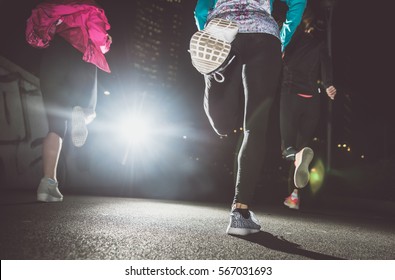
(136, 129)
(147, 137)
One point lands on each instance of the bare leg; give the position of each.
(51, 151)
(240, 206)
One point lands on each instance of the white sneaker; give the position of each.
(208, 53)
(302, 162)
(48, 191)
(222, 29)
(79, 131)
(90, 115)
(292, 201)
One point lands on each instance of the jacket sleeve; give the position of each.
(292, 20)
(326, 66)
(201, 11)
(40, 28)
(97, 28)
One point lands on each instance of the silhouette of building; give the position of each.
(154, 44)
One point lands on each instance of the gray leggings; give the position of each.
(250, 86)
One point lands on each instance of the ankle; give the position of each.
(238, 205)
(289, 153)
(295, 194)
(244, 212)
(50, 179)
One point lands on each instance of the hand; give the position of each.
(109, 38)
(331, 91)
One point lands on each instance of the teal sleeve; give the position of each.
(201, 11)
(292, 20)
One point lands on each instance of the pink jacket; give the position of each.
(82, 23)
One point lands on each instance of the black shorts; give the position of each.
(66, 81)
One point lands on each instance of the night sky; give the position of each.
(360, 49)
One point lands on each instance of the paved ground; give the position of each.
(99, 227)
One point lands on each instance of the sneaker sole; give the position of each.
(43, 197)
(291, 206)
(222, 29)
(302, 174)
(79, 132)
(241, 231)
(207, 52)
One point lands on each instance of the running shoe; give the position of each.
(302, 162)
(48, 191)
(222, 29)
(208, 54)
(240, 225)
(292, 202)
(79, 131)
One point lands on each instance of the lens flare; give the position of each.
(317, 176)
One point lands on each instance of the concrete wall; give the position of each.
(23, 125)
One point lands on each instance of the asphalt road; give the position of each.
(119, 228)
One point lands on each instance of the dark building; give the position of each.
(153, 44)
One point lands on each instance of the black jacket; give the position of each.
(306, 62)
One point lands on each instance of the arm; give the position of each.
(40, 28)
(292, 20)
(201, 11)
(327, 72)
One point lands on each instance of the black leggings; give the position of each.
(299, 117)
(256, 69)
(66, 81)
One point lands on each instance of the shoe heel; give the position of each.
(44, 197)
(302, 174)
(79, 131)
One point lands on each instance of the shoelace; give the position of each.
(221, 78)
